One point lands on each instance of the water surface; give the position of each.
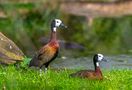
(114, 62)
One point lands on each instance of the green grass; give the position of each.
(13, 78)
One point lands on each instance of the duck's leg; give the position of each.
(40, 70)
(45, 69)
(46, 66)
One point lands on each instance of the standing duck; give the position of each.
(92, 74)
(50, 51)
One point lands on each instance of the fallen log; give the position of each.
(9, 51)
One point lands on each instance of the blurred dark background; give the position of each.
(27, 23)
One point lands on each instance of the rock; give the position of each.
(9, 51)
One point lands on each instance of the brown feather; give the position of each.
(90, 74)
(45, 54)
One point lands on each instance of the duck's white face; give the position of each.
(58, 22)
(100, 57)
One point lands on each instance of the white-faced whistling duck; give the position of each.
(92, 74)
(49, 51)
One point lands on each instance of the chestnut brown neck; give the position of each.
(53, 36)
(53, 41)
(98, 73)
(97, 68)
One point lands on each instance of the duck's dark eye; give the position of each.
(57, 21)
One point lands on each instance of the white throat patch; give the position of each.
(97, 63)
(54, 29)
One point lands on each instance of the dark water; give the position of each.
(114, 62)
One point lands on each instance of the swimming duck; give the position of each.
(92, 74)
(49, 51)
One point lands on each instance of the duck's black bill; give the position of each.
(63, 26)
(104, 60)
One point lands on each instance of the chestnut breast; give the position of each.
(48, 52)
(54, 44)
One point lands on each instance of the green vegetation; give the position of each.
(25, 24)
(12, 78)
(32, 21)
